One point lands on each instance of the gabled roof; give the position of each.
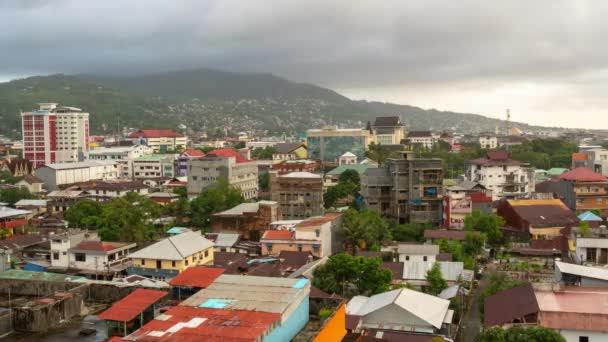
(543, 213)
(98, 246)
(417, 249)
(430, 309)
(582, 174)
(156, 133)
(31, 179)
(301, 175)
(31, 203)
(387, 121)
(294, 259)
(6, 212)
(200, 277)
(508, 305)
(360, 168)
(228, 153)
(583, 271)
(132, 305)
(589, 217)
(193, 153)
(496, 158)
(176, 247)
(284, 148)
(278, 235)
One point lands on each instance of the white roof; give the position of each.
(450, 292)
(226, 239)
(416, 270)
(10, 212)
(176, 247)
(80, 165)
(583, 271)
(302, 175)
(415, 249)
(240, 209)
(348, 154)
(65, 193)
(592, 242)
(430, 309)
(31, 202)
(116, 149)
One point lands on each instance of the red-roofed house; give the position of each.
(193, 279)
(185, 323)
(223, 163)
(181, 169)
(161, 140)
(99, 258)
(505, 177)
(583, 189)
(132, 312)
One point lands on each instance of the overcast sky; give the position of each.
(546, 60)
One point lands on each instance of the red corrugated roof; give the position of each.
(227, 152)
(132, 305)
(278, 235)
(156, 133)
(210, 325)
(98, 246)
(582, 174)
(194, 153)
(200, 277)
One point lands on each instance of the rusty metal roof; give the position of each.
(200, 277)
(510, 304)
(132, 305)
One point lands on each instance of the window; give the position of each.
(424, 258)
(80, 256)
(583, 339)
(407, 258)
(159, 264)
(317, 232)
(143, 262)
(173, 263)
(206, 254)
(55, 255)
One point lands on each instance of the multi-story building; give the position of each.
(181, 163)
(223, 163)
(161, 140)
(153, 166)
(488, 141)
(329, 143)
(302, 165)
(505, 177)
(597, 160)
(60, 244)
(583, 189)
(55, 134)
(423, 139)
(460, 201)
(100, 257)
(408, 189)
(168, 257)
(299, 194)
(119, 152)
(247, 219)
(321, 236)
(106, 190)
(56, 175)
(388, 130)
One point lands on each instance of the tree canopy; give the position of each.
(489, 224)
(263, 153)
(13, 195)
(218, 197)
(436, 282)
(377, 153)
(519, 334)
(364, 229)
(351, 275)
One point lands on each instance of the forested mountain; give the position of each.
(211, 100)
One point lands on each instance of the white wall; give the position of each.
(594, 336)
(416, 257)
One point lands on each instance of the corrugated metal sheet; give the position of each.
(414, 249)
(132, 305)
(583, 271)
(200, 277)
(416, 270)
(175, 247)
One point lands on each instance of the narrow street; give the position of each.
(471, 323)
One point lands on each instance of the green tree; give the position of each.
(15, 194)
(352, 176)
(263, 153)
(409, 232)
(474, 242)
(128, 218)
(489, 224)
(218, 197)
(378, 153)
(351, 275)
(584, 229)
(239, 145)
(519, 334)
(497, 282)
(264, 181)
(7, 178)
(435, 280)
(338, 191)
(365, 228)
(84, 214)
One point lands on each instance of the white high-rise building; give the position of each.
(55, 134)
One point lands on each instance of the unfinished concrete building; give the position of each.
(299, 194)
(407, 189)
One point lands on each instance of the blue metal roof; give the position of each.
(590, 217)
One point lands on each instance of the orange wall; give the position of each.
(334, 329)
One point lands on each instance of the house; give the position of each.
(414, 272)
(540, 219)
(181, 163)
(193, 279)
(388, 130)
(165, 259)
(505, 177)
(318, 236)
(298, 165)
(423, 139)
(163, 198)
(62, 200)
(35, 206)
(591, 249)
(289, 151)
(56, 175)
(132, 312)
(400, 310)
(591, 218)
(13, 219)
(332, 177)
(583, 189)
(153, 166)
(246, 219)
(416, 252)
(407, 189)
(585, 276)
(116, 153)
(516, 305)
(228, 164)
(26, 246)
(488, 141)
(101, 191)
(231, 242)
(62, 243)
(299, 194)
(32, 183)
(347, 159)
(160, 140)
(99, 257)
(579, 160)
(285, 297)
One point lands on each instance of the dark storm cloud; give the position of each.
(337, 43)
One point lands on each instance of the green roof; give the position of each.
(33, 275)
(449, 182)
(357, 167)
(556, 171)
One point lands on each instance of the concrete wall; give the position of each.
(292, 326)
(334, 328)
(594, 336)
